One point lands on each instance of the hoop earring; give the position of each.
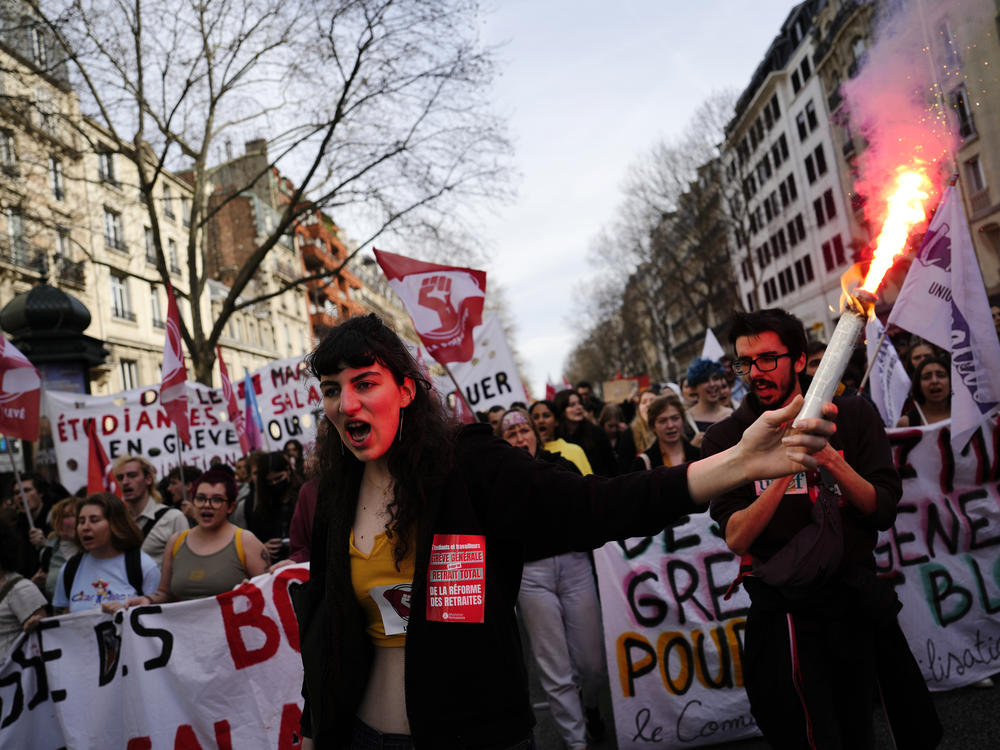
(399, 432)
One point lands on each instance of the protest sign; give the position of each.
(674, 644)
(490, 378)
(222, 672)
(135, 423)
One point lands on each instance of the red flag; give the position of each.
(232, 407)
(99, 476)
(20, 393)
(550, 392)
(462, 413)
(173, 388)
(445, 303)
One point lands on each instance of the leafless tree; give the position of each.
(376, 110)
(670, 244)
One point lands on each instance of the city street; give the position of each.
(971, 719)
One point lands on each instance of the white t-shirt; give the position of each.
(21, 602)
(98, 581)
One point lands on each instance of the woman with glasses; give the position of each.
(214, 556)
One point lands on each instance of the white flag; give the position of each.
(889, 382)
(944, 301)
(712, 349)
(490, 377)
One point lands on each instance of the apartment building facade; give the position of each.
(800, 234)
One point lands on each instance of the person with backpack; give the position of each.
(22, 605)
(112, 566)
(213, 557)
(157, 522)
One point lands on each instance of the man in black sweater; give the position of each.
(816, 653)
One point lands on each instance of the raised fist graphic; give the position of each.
(435, 293)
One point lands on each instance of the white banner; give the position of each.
(890, 385)
(222, 672)
(490, 378)
(943, 299)
(674, 644)
(135, 423)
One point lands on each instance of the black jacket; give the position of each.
(465, 682)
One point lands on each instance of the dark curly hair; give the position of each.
(419, 458)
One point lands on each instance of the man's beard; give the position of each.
(778, 402)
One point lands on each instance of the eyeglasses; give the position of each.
(765, 363)
(214, 501)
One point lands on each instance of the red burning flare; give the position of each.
(905, 209)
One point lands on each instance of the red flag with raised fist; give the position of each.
(173, 388)
(20, 393)
(445, 303)
(232, 407)
(99, 476)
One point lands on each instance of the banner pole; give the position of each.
(20, 487)
(180, 464)
(868, 371)
(458, 390)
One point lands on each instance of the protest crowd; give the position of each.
(200, 533)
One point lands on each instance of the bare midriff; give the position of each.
(383, 706)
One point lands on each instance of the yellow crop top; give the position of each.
(382, 591)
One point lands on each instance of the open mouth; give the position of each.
(206, 515)
(357, 431)
(86, 540)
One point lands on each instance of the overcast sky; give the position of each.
(588, 86)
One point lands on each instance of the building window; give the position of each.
(15, 237)
(56, 177)
(818, 208)
(838, 250)
(960, 103)
(749, 302)
(793, 191)
(796, 83)
(948, 48)
(45, 109)
(806, 70)
(121, 304)
(62, 243)
(39, 54)
(150, 245)
(157, 311)
(800, 123)
(831, 207)
(106, 167)
(168, 202)
(975, 174)
(820, 160)
(775, 108)
(810, 169)
(8, 156)
(186, 211)
(811, 116)
(800, 224)
(114, 233)
(130, 374)
(172, 259)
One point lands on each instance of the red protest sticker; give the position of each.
(456, 578)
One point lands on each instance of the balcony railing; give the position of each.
(123, 315)
(24, 255)
(287, 270)
(71, 272)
